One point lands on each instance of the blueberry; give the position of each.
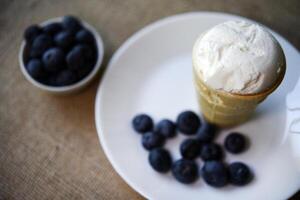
(185, 171)
(52, 29)
(71, 23)
(206, 133)
(31, 33)
(65, 77)
(51, 80)
(190, 148)
(152, 140)
(211, 152)
(35, 53)
(89, 60)
(75, 58)
(142, 123)
(84, 71)
(35, 68)
(215, 173)
(188, 122)
(79, 57)
(160, 160)
(40, 44)
(64, 39)
(89, 52)
(235, 143)
(239, 174)
(53, 59)
(166, 128)
(85, 36)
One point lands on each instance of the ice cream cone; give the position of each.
(227, 109)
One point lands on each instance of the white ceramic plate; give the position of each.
(152, 73)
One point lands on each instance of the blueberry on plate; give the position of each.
(235, 143)
(190, 148)
(206, 133)
(211, 151)
(185, 171)
(53, 59)
(53, 28)
(160, 160)
(64, 39)
(85, 36)
(32, 32)
(35, 68)
(166, 128)
(152, 140)
(142, 123)
(40, 44)
(239, 174)
(215, 173)
(71, 23)
(65, 77)
(188, 122)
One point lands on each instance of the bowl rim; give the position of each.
(77, 85)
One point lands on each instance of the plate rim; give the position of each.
(122, 48)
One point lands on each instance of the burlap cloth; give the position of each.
(48, 146)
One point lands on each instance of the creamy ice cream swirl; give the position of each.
(238, 57)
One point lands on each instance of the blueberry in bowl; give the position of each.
(35, 68)
(64, 40)
(53, 59)
(61, 55)
(32, 32)
(52, 28)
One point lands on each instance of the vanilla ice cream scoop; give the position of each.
(238, 57)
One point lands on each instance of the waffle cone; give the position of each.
(227, 109)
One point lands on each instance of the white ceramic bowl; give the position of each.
(73, 87)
